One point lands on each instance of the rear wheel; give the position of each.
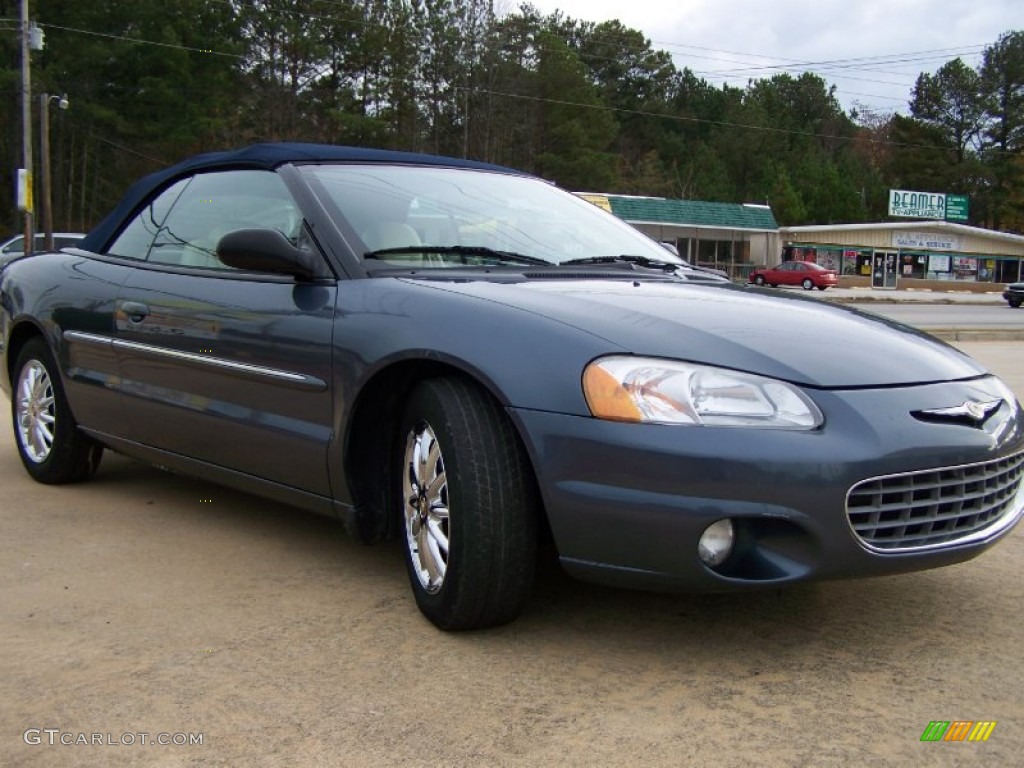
(468, 507)
(1015, 303)
(807, 284)
(822, 287)
(50, 444)
(759, 280)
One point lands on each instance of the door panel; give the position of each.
(85, 351)
(230, 370)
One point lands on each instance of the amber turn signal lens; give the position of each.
(607, 398)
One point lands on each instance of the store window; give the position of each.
(830, 259)
(913, 265)
(965, 268)
(851, 259)
(715, 251)
(1007, 271)
(685, 246)
(939, 267)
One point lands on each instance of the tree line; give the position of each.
(591, 106)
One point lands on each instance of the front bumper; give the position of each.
(627, 503)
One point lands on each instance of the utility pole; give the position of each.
(26, 127)
(44, 164)
(44, 167)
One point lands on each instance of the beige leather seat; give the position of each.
(397, 234)
(203, 253)
(390, 234)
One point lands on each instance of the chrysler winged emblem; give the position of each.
(971, 412)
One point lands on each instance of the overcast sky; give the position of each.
(871, 50)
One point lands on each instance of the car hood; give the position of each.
(802, 340)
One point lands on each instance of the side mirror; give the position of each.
(266, 250)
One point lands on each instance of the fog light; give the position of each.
(716, 542)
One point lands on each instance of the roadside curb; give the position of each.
(866, 296)
(928, 300)
(977, 334)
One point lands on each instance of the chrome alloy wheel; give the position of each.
(36, 411)
(425, 490)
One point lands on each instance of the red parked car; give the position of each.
(803, 273)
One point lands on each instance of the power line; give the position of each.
(784, 64)
(516, 96)
(140, 41)
(933, 54)
(144, 42)
(791, 64)
(123, 148)
(725, 123)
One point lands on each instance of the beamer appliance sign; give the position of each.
(917, 205)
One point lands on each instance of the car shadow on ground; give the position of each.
(872, 614)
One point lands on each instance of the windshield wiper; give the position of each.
(629, 260)
(504, 257)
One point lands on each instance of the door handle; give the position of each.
(135, 311)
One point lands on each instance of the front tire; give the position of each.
(52, 448)
(808, 284)
(759, 280)
(468, 503)
(1015, 303)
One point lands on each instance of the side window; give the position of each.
(135, 239)
(221, 202)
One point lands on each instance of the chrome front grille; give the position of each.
(930, 508)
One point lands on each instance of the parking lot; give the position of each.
(146, 603)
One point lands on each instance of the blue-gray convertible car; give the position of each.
(468, 359)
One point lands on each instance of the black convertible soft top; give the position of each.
(257, 156)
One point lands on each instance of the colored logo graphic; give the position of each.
(958, 730)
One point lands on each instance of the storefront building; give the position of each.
(921, 251)
(739, 237)
(729, 236)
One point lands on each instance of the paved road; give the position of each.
(952, 315)
(965, 316)
(148, 603)
(867, 295)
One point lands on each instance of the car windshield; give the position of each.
(472, 217)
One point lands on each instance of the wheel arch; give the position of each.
(22, 332)
(369, 439)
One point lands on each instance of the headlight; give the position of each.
(667, 392)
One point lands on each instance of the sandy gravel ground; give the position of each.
(145, 603)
